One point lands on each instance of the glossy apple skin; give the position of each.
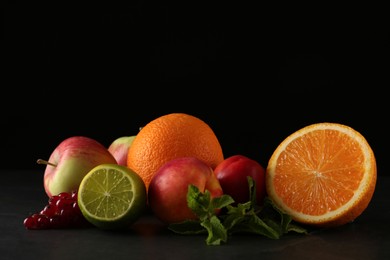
(167, 194)
(120, 147)
(232, 175)
(74, 157)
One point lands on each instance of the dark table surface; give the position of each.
(368, 237)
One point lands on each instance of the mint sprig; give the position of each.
(206, 209)
(219, 218)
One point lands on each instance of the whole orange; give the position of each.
(171, 136)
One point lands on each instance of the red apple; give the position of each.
(232, 175)
(70, 161)
(119, 148)
(167, 194)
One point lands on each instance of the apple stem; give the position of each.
(40, 161)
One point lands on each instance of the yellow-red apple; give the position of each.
(120, 147)
(70, 161)
(167, 194)
(232, 175)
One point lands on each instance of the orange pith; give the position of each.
(171, 136)
(323, 174)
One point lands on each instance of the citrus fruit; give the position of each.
(324, 174)
(171, 136)
(112, 196)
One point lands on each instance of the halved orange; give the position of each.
(323, 174)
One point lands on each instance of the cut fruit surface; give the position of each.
(323, 174)
(112, 196)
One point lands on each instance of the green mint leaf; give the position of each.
(254, 224)
(219, 218)
(243, 219)
(216, 231)
(222, 201)
(187, 227)
(205, 208)
(199, 202)
(235, 215)
(297, 229)
(278, 219)
(252, 190)
(267, 220)
(284, 223)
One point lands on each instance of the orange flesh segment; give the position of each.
(334, 170)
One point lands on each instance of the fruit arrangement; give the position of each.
(321, 176)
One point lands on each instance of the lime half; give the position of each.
(112, 196)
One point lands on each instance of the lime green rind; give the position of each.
(112, 196)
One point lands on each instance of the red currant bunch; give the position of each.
(62, 211)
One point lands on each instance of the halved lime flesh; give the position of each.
(112, 196)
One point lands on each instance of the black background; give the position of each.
(254, 73)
